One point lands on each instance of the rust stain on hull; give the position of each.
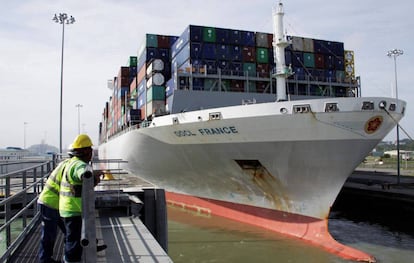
(271, 187)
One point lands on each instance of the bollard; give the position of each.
(155, 215)
(88, 235)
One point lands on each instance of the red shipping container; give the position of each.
(123, 82)
(163, 41)
(249, 54)
(319, 61)
(237, 85)
(141, 73)
(262, 87)
(143, 112)
(123, 72)
(270, 40)
(133, 85)
(263, 70)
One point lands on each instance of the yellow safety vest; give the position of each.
(70, 195)
(50, 194)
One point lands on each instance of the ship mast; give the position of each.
(280, 42)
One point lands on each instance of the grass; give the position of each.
(406, 166)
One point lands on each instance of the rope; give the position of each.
(337, 125)
(405, 132)
(352, 130)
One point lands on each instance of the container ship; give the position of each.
(262, 128)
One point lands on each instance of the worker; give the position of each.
(70, 200)
(48, 203)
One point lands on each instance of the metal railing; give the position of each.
(19, 192)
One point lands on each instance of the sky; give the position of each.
(107, 32)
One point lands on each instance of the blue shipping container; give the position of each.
(222, 36)
(236, 53)
(142, 86)
(209, 51)
(236, 68)
(198, 84)
(248, 38)
(170, 87)
(329, 62)
(223, 52)
(195, 50)
(142, 99)
(339, 63)
(297, 59)
(211, 66)
(235, 37)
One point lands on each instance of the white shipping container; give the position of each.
(156, 79)
(154, 66)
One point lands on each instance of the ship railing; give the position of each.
(349, 87)
(112, 170)
(19, 190)
(124, 130)
(145, 123)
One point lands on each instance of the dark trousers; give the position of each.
(73, 248)
(50, 222)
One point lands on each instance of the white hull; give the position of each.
(304, 158)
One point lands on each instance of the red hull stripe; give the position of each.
(310, 229)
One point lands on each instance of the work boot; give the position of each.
(101, 247)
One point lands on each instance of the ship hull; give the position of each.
(291, 165)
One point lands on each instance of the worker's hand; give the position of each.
(97, 177)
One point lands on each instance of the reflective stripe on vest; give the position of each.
(50, 194)
(70, 203)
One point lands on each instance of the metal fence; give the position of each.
(19, 190)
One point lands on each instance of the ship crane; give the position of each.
(280, 42)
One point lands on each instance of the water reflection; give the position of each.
(200, 238)
(196, 238)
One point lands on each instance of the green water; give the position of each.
(195, 238)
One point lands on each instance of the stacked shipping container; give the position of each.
(218, 59)
(154, 68)
(228, 52)
(114, 111)
(139, 88)
(319, 59)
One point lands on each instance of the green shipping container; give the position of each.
(250, 69)
(251, 87)
(340, 76)
(211, 84)
(262, 55)
(132, 61)
(308, 60)
(225, 85)
(209, 34)
(156, 93)
(152, 40)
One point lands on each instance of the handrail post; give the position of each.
(24, 184)
(7, 215)
(88, 236)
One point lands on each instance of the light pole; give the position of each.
(24, 135)
(63, 19)
(395, 53)
(78, 106)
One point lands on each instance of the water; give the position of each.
(196, 238)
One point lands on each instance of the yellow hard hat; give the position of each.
(81, 141)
